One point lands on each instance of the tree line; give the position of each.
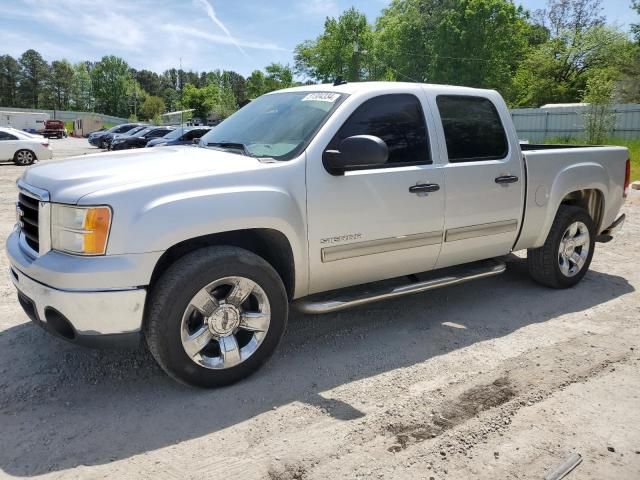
(560, 54)
(112, 87)
(564, 53)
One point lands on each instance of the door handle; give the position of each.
(424, 188)
(506, 179)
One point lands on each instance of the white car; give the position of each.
(23, 148)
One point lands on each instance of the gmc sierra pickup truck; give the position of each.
(297, 198)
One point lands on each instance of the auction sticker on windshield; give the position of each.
(321, 97)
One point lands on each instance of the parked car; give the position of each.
(180, 136)
(95, 138)
(296, 196)
(140, 139)
(54, 128)
(108, 138)
(23, 148)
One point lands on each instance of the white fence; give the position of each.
(69, 116)
(539, 124)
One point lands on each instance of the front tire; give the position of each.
(24, 157)
(566, 254)
(215, 316)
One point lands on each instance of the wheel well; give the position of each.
(591, 200)
(269, 244)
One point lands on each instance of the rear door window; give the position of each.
(7, 136)
(397, 119)
(472, 129)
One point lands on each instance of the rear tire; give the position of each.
(201, 327)
(566, 254)
(24, 157)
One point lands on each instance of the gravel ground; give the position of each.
(495, 379)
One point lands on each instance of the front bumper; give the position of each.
(81, 299)
(81, 316)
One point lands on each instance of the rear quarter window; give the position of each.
(472, 128)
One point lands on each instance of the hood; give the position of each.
(70, 179)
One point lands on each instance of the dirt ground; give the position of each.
(497, 379)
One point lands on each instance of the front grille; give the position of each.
(29, 220)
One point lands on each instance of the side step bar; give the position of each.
(488, 268)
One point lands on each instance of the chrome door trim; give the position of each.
(482, 230)
(370, 247)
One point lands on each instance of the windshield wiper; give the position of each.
(230, 146)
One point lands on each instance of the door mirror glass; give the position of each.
(358, 151)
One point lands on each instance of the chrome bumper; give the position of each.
(87, 312)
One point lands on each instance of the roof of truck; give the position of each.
(359, 87)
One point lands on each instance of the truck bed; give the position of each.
(554, 171)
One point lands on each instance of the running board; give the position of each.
(487, 268)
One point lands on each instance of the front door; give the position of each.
(484, 180)
(372, 224)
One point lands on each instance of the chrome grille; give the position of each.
(29, 218)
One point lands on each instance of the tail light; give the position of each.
(627, 177)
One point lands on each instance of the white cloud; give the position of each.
(326, 8)
(219, 39)
(148, 34)
(208, 8)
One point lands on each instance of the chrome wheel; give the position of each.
(225, 322)
(24, 157)
(574, 249)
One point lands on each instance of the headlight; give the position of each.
(80, 230)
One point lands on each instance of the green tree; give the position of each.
(343, 49)
(60, 83)
(201, 100)
(557, 71)
(34, 72)
(277, 77)
(635, 27)
(599, 119)
(82, 89)
(152, 107)
(256, 84)
(9, 80)
(111, 81)
(465, 42)
(149, 81)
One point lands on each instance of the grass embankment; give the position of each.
(632, 145)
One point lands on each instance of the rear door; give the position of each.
(484, 178)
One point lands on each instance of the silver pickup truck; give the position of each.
(297, 198)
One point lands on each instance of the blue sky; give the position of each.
(239, 35)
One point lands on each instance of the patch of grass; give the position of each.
(632, 145)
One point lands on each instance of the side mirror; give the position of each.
(196, 141)
(359, 151)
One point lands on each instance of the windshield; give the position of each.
(175, 134)
(277, 125)
(133, 131)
